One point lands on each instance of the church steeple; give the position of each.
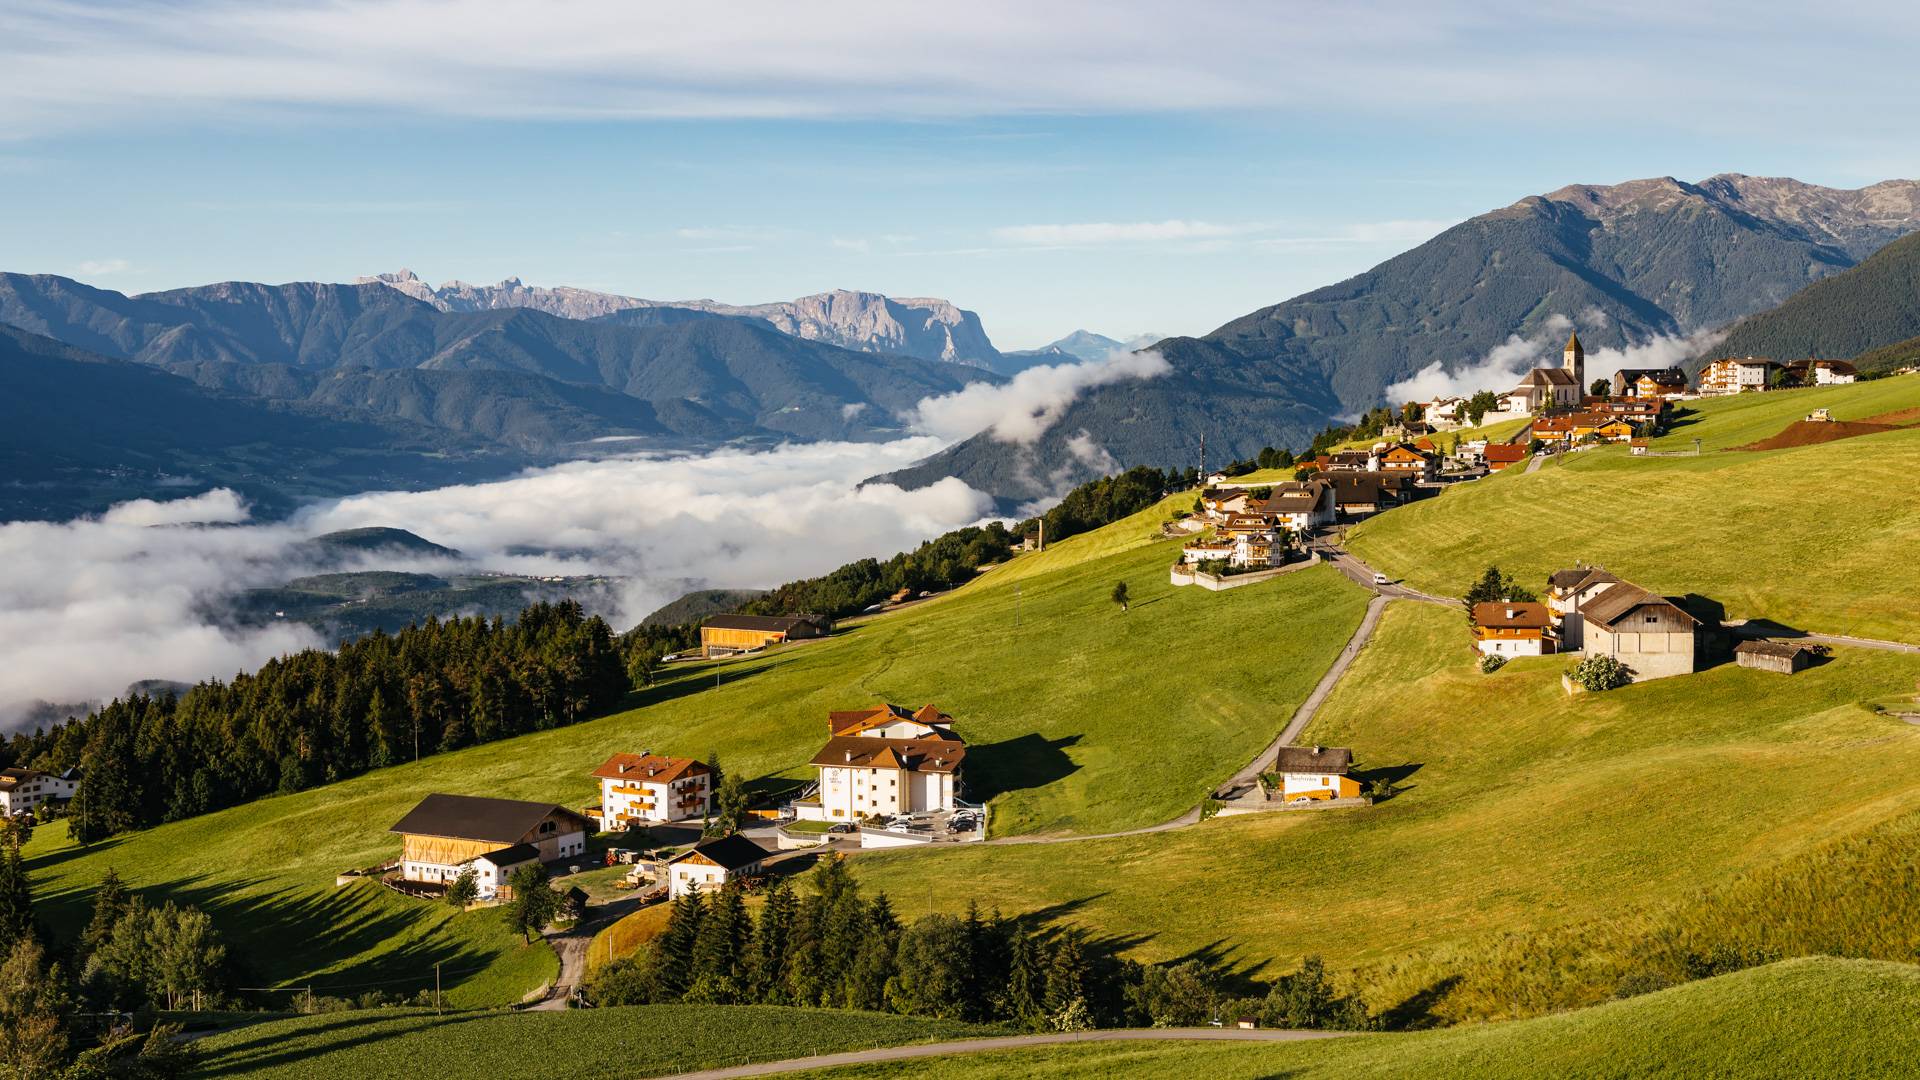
(1574, 359)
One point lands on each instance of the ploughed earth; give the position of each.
(1809, 432)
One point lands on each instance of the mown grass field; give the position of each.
(1065, 701)
(1814, 1017)
(1721, 423)
(1521, 809)
(1818, 537)
(577, 1045)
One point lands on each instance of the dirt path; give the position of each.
(1005, 1042)
(571, 946)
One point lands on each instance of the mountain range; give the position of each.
(1075, 347)
(1871, 311)
(1634, 262)
(926, 327)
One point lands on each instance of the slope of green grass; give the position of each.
(1722, 423)
(1522, 808)
(1819, 537)
(1066, 703)
(584, 1044)
(1813, 1017)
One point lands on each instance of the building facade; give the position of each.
(885, 761)
(23, 791)
(651, 789)
(725, 635)
(445, 834)
(1512, 628)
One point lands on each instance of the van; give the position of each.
(1380, 579)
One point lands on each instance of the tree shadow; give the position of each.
(1029, 761)
(1393, 774)
(1416, 1012)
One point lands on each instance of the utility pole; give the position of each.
(1203, 457)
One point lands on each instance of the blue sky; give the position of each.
(1124, 166)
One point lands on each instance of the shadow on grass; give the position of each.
(1416, 1012)
(258, 1054)
(1393, 774)
(1029, 761)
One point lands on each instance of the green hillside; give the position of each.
(1814, 1017)
(1819, 536)
(1521, 808)
(1062, 697)
(580, 1045)
(1872, 305)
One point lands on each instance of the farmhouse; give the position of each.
(1512, 628)
(883, 761)
(1314, 773)
(1822, 372)
(1355, 495)
(1300, 505)
(650, 789)
(710, 864)
(446, 833)
(1781, 656)
(1406, 460)
(26, 790)
(1649, 633)
(1566, 591)
(1653, 383)
(1501, 455)
(725, 635)
(1734, 375)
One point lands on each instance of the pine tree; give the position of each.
(16, 901)
(673, 949)
(1067, 974)
(1026, 991)
(109, 904)
(772, 941)
(717, 966)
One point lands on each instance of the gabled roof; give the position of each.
(1578, 578)
(1546, 377)
(1515, 615)
(474, 817)
(1784, 649)
(729, 852)
(1506, 452)
(1623, 599)
(652, 768)
(855, 721)
(512, 856)
(913, 755)
(1313, 759)
(771, 624)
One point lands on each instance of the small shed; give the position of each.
(1780, 656)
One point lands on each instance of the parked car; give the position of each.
(1379, 579)
(840, 827)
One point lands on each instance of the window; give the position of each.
(1651, 619)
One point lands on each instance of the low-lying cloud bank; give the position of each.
(1504, 365)
(89, 606)
(1023, 408)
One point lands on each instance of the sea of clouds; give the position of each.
(91, 605)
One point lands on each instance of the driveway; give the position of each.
(1006, 1042)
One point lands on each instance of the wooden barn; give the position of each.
(724, 635)
(1783, 657)
(445, 834)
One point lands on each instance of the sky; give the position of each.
(1120, 166)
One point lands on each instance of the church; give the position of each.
(1560, 387)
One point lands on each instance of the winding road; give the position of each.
(1005, 1042)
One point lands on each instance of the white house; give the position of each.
(1513, 628)
(1300, 505)
(884, 761)
(710, 864)
(651, 789)
(1567, 590)
(493, 871)
(1314, 773)
(25, 790)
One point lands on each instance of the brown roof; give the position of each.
(474, 817)
(913, 755)
(1507, 452)
(1624, 598)
(1519, 615)
(1313, 759)
(1783, 649)
(652, 768)
(1578, 578)
(728, 852)
(854, 721)
(1547, 376)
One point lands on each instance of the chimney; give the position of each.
(624, 766)
(849, 757)
(1316, 749)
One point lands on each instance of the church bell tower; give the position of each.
(1574, 359)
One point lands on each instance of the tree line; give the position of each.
(314, 717)
(833, 948)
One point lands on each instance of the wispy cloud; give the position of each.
(102, 267)
(1081, 234)
(1023, 408)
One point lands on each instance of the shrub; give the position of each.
(1600, 673)
(1491, 662)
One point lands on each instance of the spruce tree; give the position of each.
(1067, 974)
(772, 942)
(1026, 989)
(716, 969)
(109, 903)
(673, 949)
(16, 902)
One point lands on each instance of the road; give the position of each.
(571, 946)
(1005, 1042)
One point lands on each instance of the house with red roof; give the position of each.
(650, 789)
(883, 761)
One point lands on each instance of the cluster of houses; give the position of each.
(882, 762)
(1257, 531)
(1591, 612)
(1741, 374)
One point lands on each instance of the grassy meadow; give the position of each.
(1818, 537)
(577, 1045)
(1726, 422)
(1813, 1017)
(1063, 698)
(1521, 809)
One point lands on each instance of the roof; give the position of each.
(1659, 376)
(1573, 343)
(1578, 578)
(1313, 759)
(912, 755)
(653, 768)
(1624, 598)
(1548, 376)
(1507, 452)
(1517, 615)
(730, 852)
(1784, 649)
(773, 624)
(513, 856)
(475, 817)
(854, 721)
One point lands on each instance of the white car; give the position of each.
(1380, 579)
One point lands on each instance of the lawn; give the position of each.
(1521, 809)
(1721, 423)
(1819, 537)
(582, 1044)
(1063, 698)
(1813, 1017)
